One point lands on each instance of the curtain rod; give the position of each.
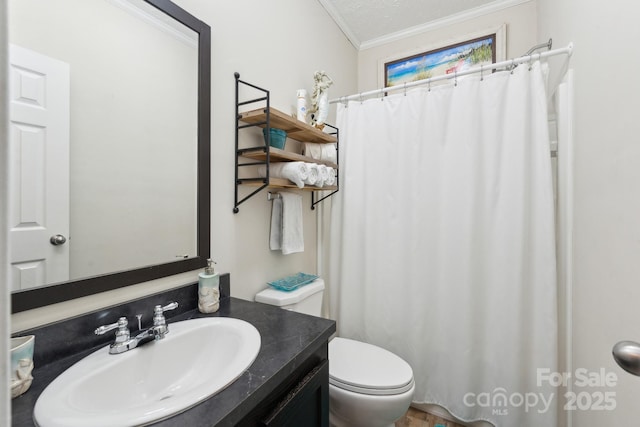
(508, 63)
(548, 45)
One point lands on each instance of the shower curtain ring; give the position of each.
(382, 94)
(405, 88)
(429, 84)
(455, 79)
(513, 61)
(481, 73)
(530, 62)
(360, 97)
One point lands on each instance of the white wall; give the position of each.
(520, 36)
(276, 45)
(606, 288)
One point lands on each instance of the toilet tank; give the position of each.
(306, 299)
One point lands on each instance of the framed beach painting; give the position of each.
(470, 51)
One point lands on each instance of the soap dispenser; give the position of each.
(208, 289)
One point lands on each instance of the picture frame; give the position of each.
(455, 55)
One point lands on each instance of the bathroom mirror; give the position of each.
(138, 125)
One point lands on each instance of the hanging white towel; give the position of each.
(275, 235)
(286, 224)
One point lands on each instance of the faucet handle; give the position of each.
(122, 322)
(122, 334)
(158, 313)
(170, 306)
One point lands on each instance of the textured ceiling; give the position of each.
(364, 21)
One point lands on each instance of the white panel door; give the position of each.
(39, 168)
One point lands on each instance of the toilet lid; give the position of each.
(283, 298)
(366, 368)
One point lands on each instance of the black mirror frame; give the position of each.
(46, 295)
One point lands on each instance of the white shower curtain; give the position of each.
(442, 242)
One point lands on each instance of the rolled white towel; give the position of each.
(312, 149)
(312, 174)
(296, 172)
(317, 151)
(330, 153)
(331, 180)
(323, 175)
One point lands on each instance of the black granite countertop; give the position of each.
(287, 339)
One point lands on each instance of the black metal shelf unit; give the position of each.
(263, 154)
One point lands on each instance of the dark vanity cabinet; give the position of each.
(300, 400)
(307, 403)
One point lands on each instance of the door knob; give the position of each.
(58, 239)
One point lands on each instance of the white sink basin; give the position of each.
(195, 360)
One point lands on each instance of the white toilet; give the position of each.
(368, 385)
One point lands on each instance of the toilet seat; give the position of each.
(367, 369)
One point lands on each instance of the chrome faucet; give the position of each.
(124, 341)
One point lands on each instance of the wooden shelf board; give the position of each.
(295, 129)
(278, 155)
(285, 183)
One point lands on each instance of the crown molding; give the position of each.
(489, 8)
(335, 15)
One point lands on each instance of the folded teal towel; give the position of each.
(291, 283)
